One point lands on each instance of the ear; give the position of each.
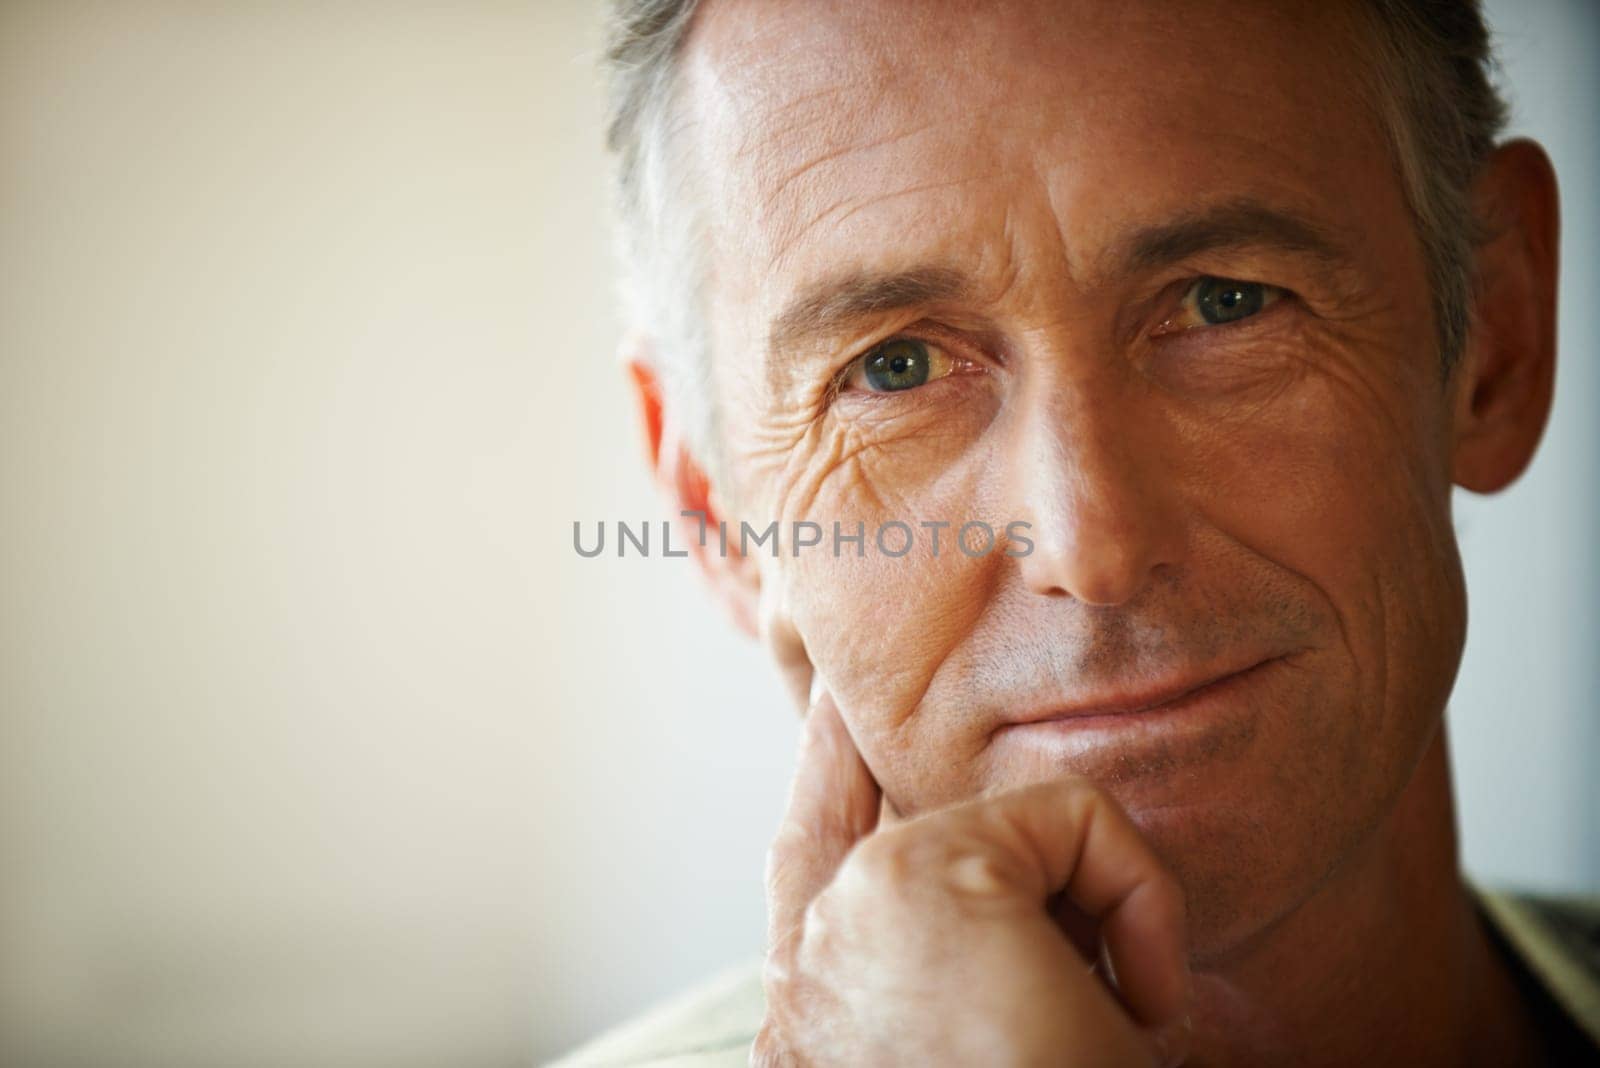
(682, 480)
(1507, 372)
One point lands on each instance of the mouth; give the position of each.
(1130, 704)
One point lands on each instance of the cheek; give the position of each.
(878, 631)
(877, 627)
(1339, 481)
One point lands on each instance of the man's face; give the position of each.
(1242, 483)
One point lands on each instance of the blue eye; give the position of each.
(899, 364)
(896, 365)
(1224, 300)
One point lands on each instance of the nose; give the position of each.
(1088, 475)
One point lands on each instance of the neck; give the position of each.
(1387, 962)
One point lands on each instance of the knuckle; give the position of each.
(883, 860)
(777, 979)
(819, 926)
(978, 875)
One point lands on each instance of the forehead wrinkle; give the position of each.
(872, 133)
(764, 127)
(777, 188)
(839, 211)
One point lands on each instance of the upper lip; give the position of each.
(1129, 700)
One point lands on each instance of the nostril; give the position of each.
(1103, 572)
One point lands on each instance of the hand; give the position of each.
(943, 939)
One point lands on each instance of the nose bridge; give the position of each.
(1089, 478)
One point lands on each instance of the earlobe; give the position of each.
(1507, 374)
(683, 482)
(711, 538)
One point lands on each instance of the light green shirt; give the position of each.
(1555, 943)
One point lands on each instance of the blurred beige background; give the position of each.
(319, 745)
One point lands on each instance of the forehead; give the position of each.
(875, 133)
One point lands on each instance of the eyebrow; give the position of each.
(1238, 224)
(834, 304)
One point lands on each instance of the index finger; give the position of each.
(833, 803)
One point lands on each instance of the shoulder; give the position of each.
(1557, 940)
(710, 1026)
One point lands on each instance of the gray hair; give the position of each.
(659, 244)
(1430, 74)
(1442, 114)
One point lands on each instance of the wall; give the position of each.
(318, 745)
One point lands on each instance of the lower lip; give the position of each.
(1213, 696)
